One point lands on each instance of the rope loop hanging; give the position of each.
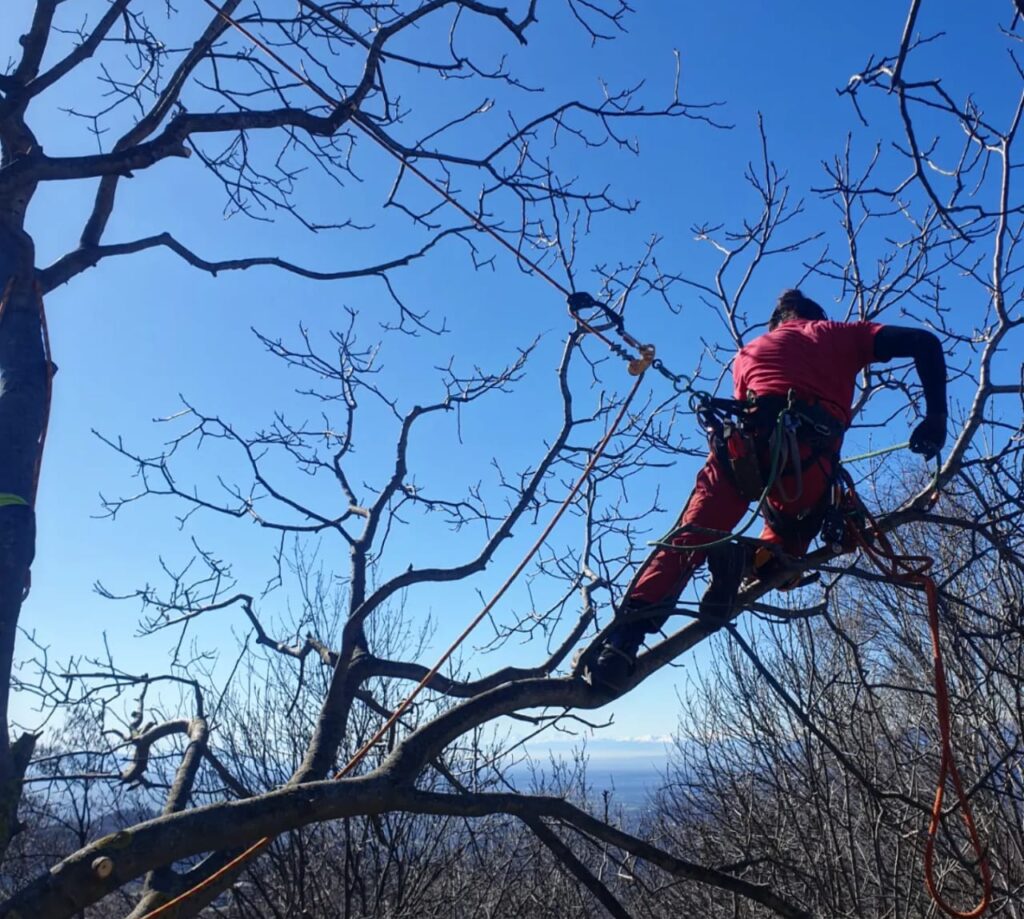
(914, 571)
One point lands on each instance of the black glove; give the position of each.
(929, 436)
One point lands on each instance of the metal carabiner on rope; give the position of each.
(699, 401)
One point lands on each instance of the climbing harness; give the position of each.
(736, 430)
(774, 470)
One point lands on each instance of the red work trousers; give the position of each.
(717, 505)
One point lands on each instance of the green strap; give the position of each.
(7, 500)
(773, 475)
(874, 453)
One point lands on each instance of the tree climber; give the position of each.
(803, 370)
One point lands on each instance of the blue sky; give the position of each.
(134, 333)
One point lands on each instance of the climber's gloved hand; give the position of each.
(929, 436)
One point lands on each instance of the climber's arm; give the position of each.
(926, 350)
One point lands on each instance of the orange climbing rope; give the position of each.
(637, 366)
(360, 754)
(913, 571)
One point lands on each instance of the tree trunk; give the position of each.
(23, 406)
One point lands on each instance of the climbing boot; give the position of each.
(727, 564)
(617, 657)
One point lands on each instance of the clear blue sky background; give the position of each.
(133, 334)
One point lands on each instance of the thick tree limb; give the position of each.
(81, 53)
(34, 42)
(72, 884)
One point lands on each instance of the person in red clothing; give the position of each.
(807, 365)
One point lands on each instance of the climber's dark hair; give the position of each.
(794, 305)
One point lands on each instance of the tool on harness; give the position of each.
(844, 525)
(833, 528)
(726, 423)
(739, 450)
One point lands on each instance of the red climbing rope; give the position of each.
(360, 754)
(914, 571)
(637, 367)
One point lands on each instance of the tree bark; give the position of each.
(23, 406)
